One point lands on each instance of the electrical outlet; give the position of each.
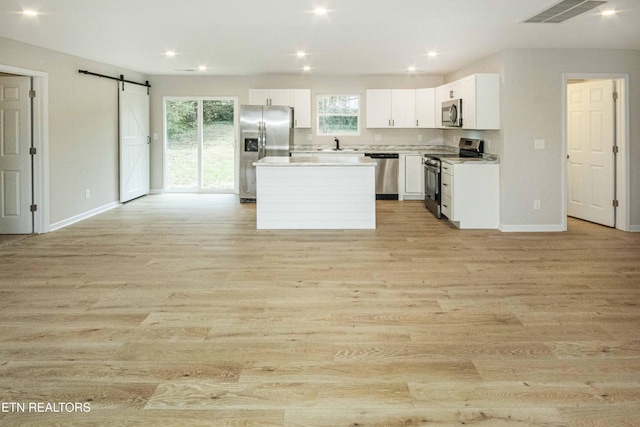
(87, 194)
(487, 144)
(419, 137)
(377, 137)
(309, 137)
(538, 144)
(536, 205)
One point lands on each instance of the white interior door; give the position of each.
(134, 141)
(591, 185)
(15, 160)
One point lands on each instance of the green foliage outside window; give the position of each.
(338, 114)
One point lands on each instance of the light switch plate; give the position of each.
(538, 144)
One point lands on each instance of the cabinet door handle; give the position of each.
(446, 185)
(446, 206)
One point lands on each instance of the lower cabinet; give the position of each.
(470, 195)
(411, 177)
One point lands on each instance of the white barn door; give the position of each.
(134, 141)
(15, 159)
(591, 185)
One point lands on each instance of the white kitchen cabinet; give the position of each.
(480, 94)
(411, 179)
(299, 99)
(258, 96)
(481, 101)
(425, 108)
(391, 108)
(470, 194)
(271, 97)
(302, 108)
(378, 108)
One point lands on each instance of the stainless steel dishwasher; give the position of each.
(386, 175)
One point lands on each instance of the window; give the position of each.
(200, 144)
(338, 114)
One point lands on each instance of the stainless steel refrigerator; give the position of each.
(264, 131)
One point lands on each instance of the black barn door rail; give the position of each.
(120, 79)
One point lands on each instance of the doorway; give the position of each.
(200, 144)
(596, 170)
(38, 177)
(16, 196)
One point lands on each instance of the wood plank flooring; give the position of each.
(175, 310)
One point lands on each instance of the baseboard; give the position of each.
(531, 228)
(634, 228)
(156, 191)
(64, 223)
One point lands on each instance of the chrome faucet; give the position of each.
(337, 144)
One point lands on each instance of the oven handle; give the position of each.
(431, 168)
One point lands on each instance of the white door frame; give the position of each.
(623, 194)
(40, 135)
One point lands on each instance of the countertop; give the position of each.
(316, 161)
(487, 159)
(361, 149)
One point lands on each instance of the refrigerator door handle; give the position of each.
(264, 139)
(260, 141)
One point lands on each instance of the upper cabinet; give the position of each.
(391, 108)
(480, 94)
(481, 101)
(299, 99)
(421, 108)
(302, 108)
(425, 108)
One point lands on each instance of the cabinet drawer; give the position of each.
(446, 184)
(446, 206)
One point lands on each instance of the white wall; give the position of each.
(239, 87)
(531, 108)
(83, 127)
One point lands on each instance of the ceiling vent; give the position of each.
(563, 10)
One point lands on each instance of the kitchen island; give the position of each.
(323, 192)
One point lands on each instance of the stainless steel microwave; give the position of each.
(452, 113)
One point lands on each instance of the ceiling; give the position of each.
(355, 37)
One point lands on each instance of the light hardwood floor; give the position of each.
(174, 310)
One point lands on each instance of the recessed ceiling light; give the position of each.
(411, 69)
(30, 12)
(320, 11)
(306, 68)
(170, 53)
(301, 54)
(608, 12)
(202, 68)
(432, 54)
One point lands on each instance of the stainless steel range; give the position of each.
(468, 147)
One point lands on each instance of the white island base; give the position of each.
(316, 193)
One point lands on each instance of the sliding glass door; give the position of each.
(200, 141)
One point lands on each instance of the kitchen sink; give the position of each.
(335, 149)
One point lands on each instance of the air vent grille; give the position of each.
(563, 10)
